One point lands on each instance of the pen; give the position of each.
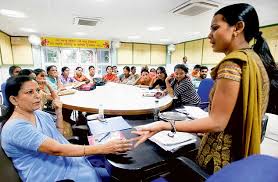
(106, 135)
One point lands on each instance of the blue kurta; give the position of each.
(21, 140)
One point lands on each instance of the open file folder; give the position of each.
(111, 124)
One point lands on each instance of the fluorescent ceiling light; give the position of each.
(28, 30)
(155, 28)
(80, 33)
(133, 37)
(12, 13)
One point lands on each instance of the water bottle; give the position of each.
(156, 111)
(101, 113)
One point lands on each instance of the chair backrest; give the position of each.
(1, 99)
(264, 126)
(7, 170)
(204, 89)
(4, 98)
(255, 168)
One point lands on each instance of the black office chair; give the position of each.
(204, 91)
(184, 169)
(7, 170)
(264, 126)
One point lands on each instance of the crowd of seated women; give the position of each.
(177, 84)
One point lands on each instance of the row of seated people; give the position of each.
(178, 85)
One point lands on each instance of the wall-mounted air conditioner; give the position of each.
(87, 21)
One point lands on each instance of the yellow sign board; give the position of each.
(74, 43)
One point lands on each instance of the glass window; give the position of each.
(103, 56)
(73, 57)
(52, 55)
(87, 56)
(101, 70)
(69, 56)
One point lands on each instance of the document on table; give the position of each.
(110, 124)
(172, 144)
(193, 112)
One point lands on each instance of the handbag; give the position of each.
(87, 87)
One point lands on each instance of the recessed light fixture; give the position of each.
(12, 13)
(155, 28)
(28, 30)
(164, 40)
(80, 33)
(133, 37)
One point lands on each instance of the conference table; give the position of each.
(116, 99)
(146, 161)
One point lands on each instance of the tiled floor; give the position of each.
(270, 143)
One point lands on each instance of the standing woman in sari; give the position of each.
(240, 95)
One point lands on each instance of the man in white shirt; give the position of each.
(91, 73)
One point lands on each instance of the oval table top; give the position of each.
(116, 99)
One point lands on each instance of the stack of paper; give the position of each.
(193, 112)
(174, 143)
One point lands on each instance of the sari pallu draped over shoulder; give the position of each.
(252, 99)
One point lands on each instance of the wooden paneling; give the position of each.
(142, 54)
(210, 57)
(193, 51)
(22, 51)
(158, 54)
(178, 54)
(125, 54)
(6, 49)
